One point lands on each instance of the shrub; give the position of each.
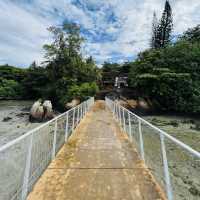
(10, 89)
(83, 91)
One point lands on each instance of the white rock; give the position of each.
(73, 103)
(36, 110)
(48, 111)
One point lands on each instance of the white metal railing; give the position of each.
(175, 165)
(23, 160)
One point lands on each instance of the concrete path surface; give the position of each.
(97, 163)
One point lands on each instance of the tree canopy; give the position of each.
(161, 31)
(170, 76)
(64, 75)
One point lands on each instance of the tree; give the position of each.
(170, 76)
(64, 53)
(66, 67)
(192, 34)
(35, 82)
(153, 43)
(165, 26)
(33, 65)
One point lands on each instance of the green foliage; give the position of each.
(12, 73)
(111, 67)
(10, 82)
(64, 75)
(154, 31)
(83, 91)
(170, 76)
(66, 69)
(192, 34)
(162, 30)
(35, 82)
(10, 89)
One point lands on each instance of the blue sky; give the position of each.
(115, 30)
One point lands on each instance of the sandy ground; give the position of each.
(98, 162)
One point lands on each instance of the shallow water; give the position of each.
(184, 168)
(182, 128)
(18, 123)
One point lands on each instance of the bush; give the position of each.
(169, 76)
(10, 89)
(83, 91)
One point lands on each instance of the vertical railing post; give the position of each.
(120, 121)
(118, 113)
(54, 140)
(27, 169)
(124, 120)
(129, 125)
(166, 169)
(73, 118)
(141, 140)
(81, 115)
(77, 120)
(66, 126)
(116, 109)
(113, 109)
(115, 114)
(88, 105)
(83, 109)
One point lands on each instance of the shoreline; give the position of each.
(14, 119)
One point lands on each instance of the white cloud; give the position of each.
(23, 25)
(22, 35)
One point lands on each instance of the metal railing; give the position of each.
(23, 160)
(175, 165)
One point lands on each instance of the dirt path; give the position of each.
(98, 163)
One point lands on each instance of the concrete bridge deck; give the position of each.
(97, 163)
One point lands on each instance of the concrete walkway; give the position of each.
(98, 163)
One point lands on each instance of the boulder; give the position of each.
(6, 119)
(48, 111)
(37, 111)
(143, 104)
(73, 103)
(41, 112)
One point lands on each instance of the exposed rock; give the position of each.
(73, 103)
(143, 104)
(48, 111)
(40, 112)
(123, 103)
(133, 103)
(6, 119)
(22, 114)
(34, 109)
(194, 191)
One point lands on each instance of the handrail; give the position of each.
(183, 145)
(117, 109)
(36, 149)
(7, 145)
